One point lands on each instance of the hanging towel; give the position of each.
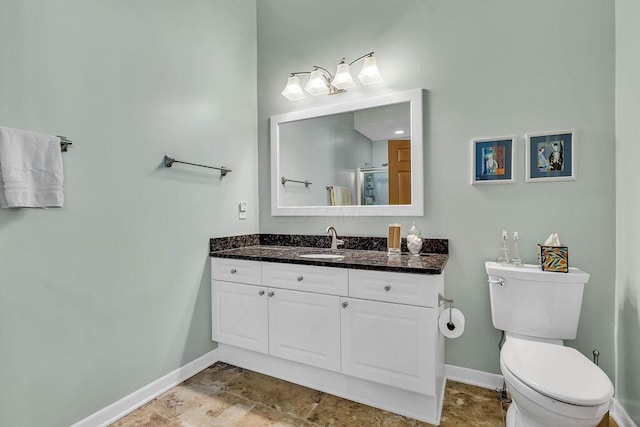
(30, 170)
(340, 196)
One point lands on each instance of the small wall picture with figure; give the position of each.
(550, 156)
(492, 160)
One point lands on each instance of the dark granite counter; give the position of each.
(287, 249)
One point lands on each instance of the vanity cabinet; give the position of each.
(369, 336)
(294, 325)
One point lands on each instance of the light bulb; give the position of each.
(293, 91)
(369, 74)
(343, 78)
(317, 84)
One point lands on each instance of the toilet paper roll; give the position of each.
(456, 328)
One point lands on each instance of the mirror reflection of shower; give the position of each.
(373, 185)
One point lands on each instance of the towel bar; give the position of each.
(169, 161)
(285, 180)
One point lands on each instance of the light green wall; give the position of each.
(111, 292)
(491, 68)
(628, 207)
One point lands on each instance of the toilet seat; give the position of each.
(561, 373)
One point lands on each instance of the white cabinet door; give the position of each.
(240, 314)
(389, 343)
(305, 328)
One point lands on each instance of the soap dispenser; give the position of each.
(516, 259)
(414, 241)
(503, 248)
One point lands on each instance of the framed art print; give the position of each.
(492, 160)
(550, 156)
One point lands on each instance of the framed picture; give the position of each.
(550, 156)
(492, 160)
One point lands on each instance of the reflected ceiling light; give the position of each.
(399, 132)
(321, 81)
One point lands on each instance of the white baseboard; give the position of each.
(127, 404)
(473, 377)
(620, 415)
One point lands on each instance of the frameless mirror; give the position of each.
(361, 157)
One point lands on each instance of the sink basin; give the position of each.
(321, 256)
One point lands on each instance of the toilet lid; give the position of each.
(559, 372)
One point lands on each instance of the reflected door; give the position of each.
(399, 172)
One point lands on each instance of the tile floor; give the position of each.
(225, 395)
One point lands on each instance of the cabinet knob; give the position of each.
(345, 304)
(261, 292)
(387, 288)
(234, 271)
(271, 294)
(300, 278)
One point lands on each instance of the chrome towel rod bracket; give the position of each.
(169, 161)
(64, 143)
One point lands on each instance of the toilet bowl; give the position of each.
(552, 385)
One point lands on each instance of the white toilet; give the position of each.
(550, 385)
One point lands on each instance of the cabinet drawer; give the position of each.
(324, 280)
(236, 270)
(403, 288)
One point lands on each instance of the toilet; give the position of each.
(550, 384)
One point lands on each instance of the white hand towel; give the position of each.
(30, 170)
(340, 196)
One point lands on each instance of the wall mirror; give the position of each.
(360, 157)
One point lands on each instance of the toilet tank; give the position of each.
(535, 303)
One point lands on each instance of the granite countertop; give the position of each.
(427, 263)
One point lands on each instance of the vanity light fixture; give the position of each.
(398, 132)
(322, 82)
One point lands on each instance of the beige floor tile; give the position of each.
(612, 422)
(216, 375)
(277, 394)
(197, 405)
(146, 416)
(479, 392)
(263, 416)
(333, 411)
(607, 421)
(224, 395)
(463, 409)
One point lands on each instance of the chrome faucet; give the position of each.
(334, 238)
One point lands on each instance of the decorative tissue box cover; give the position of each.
(554, 258)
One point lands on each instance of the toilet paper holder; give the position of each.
(442, 300)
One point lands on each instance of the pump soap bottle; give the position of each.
(517, 248)
(503, 248)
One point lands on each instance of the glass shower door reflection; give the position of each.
(373, 186)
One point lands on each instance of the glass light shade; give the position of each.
(343, 78)
(369, 74)
(317, 84)
(293, 91)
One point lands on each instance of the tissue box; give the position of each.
(553, 258)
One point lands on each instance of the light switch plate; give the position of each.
(242, 210)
